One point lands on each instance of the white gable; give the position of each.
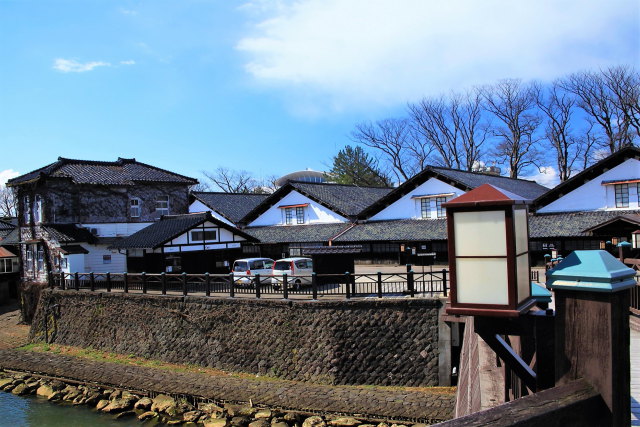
(222, 237)
(198, 206)
(408, 206)
(314, 213)
(594, 195)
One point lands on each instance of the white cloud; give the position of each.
(358, 53)
(6, 175)
(546, 175)
(129, 12)
(73, 66)
(128, 62)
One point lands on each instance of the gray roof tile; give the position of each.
(570, 224)
(233, 206)
(297, 233)
(397, 230)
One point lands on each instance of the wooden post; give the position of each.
(144, 282)
(184, 284)
(76, 278)
(108, 282)
(285, 286)
(92, 281)
(379, 284)
(51, 284)
(314, 285)
(207, 279)
(232, 291)
(444, 282)
(410, 284)
(346, 281)
(163, 277)
(125, 278)
(257, 284)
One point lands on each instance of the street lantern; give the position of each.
(488, 235)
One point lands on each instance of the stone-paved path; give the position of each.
(408, 404)
(635, 377)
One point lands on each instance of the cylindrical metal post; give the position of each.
(108, 282)
(314, 285)
(76, 278)
(232, 291)
(163, 277)
(285, 286)
(346, 284)
(207, 281)
(125, 279)
(144, 282)
(184, 284)
(444, 282)
(257, 285)
(410, 284)
(92, 281)
(379, 284)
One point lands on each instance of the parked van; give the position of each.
(298, 271)
(245, 270)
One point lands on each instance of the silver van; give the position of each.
(298, 271)
(245, 270)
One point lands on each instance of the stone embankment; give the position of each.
(171, 410)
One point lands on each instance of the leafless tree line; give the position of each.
(513, 123)
(236, 181)
(8, 203)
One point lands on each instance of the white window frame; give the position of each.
(137, 207)
(204, 235)
(26, 207)
(37, 209)
(288, 216)
(29, 255)
(40, 259)
(621, 190)
(162, 205)
(300, 215)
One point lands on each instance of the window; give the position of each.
(6, 265)
(29, 259)
(37, 209)
(424, 208)
(26, 209)
(134, 207)
(300, 215)
(40, 259)
(622, 195)
(106, 259)
(439, 209)
(202, 235)
(288, 216)
(162, 205)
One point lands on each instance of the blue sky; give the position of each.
(266, 86)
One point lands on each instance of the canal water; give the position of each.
(21, 411)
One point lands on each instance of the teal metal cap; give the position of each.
(540, 293)
(624, 244)
(596, 271)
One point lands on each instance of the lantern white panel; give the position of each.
(482, 281)
(524, 277)
(480, 233)
(522, 237)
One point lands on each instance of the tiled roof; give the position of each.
(69, 233)
(169, 227)
(397, 230)
(570, 224)
(5, 228)
(460, 179)
(6, 253)
(12, 238)
(233, 206)
(345, 200)
(297, 233)
(120, 172)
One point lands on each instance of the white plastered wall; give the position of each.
(198, 206)
(314, 213)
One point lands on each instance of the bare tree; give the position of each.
(232, 181)
(514, 103)
(8, 203)
(452, 126)
(606, 97)
(397, 144)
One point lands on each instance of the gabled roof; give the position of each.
(297, 233)
(69, 233)
(345, 200)
(232, 206)
(571, 224)
(401, 230)
(462, 180)
(120, 172)
(587, 175)
(170, 227)
(5, 228)
(629, 219)
(6, 253)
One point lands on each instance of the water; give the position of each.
(22, 411)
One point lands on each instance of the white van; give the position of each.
(244, 270)
(298, 271)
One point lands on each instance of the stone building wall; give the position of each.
(382, 342)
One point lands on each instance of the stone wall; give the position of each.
(382, 342)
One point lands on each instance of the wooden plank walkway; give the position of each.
(635, 378)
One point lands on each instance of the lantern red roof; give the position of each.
(486, 194)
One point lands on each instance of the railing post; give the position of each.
(163, 277)
(379, 284)
(125, 278)
(92, 281)
(410, 284)
(63, 281)
(108, 282)
(144, 282)
(444, 282)
(51, 279)
(353, 283)
(207, 279)
(232, 291)
(346, 281)
(314, 284)
(184, 284)
(285, 286)
(76, 278)
(257, 284)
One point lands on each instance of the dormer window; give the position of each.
(294, 214)
(622, 195)
(431, 205)
(134, 210)
(162, 205)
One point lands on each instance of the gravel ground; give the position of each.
(12, 333)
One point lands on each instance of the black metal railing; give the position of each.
(635, 298)
(347, 285)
